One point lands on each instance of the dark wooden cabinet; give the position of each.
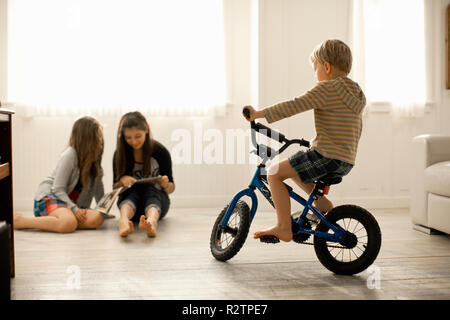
(6, 179)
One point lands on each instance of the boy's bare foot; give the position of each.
(125, 227)
(284, 234)
(18, 218)
(148, 225)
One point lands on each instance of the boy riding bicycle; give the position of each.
(338, 103)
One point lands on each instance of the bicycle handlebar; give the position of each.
(260, 128)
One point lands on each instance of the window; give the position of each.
(391, 43)
(106, 57)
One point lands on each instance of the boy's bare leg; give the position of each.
(60, 220)
(94, 219)
(322, 204)
(280, 196)
(149, 222)
(125, 225)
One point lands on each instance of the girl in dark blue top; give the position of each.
(138, 156)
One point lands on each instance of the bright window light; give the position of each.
(164, 57)
(395, 52)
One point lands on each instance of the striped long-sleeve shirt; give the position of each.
(337, 105)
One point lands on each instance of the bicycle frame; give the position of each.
(258, 183)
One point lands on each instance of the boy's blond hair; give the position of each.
(335, 52)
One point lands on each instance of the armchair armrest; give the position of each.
(426, 150)
(435, 148)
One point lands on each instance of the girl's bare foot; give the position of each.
(282, 233)
(18, 219)
(149, 225)
(125, 227)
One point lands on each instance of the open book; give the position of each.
(107, 201)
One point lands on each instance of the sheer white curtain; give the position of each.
(106, 57)
(390, 53)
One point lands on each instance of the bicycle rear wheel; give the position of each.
(360, 247)
(226, 242)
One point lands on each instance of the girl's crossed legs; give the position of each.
(60, 220)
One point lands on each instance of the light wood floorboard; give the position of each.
(177, 264)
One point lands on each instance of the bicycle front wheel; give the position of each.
(360, 247)
(226, 242)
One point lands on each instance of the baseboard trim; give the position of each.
(375, 202)
(220, 201)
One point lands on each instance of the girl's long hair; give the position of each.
(85, 139)
(124, 152)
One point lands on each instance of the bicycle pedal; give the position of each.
(269, 239)
(300, 238)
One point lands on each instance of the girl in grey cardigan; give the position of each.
(63, 198)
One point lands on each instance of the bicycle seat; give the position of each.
(331, 178)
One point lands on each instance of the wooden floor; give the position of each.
(178, 264)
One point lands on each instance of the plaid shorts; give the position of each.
(47, 204)
(311, 165)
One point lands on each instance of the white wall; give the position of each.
(268, 43)
(444, 93)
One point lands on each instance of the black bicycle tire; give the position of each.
(238, 241)
(373, 241)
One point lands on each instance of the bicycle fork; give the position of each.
(250, 192)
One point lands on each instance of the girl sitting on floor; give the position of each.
(63, 198)
(138, 156)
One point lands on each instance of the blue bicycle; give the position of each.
(346, 240)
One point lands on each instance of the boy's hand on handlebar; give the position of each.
(253, 113)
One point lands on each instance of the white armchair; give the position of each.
(430, 183)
